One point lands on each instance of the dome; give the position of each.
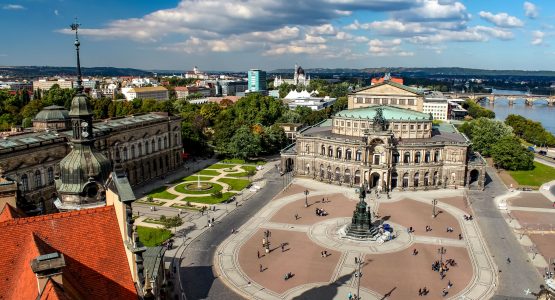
(52, 113)
(79, 106)
(300, 71)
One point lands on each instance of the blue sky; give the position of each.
(268, 34)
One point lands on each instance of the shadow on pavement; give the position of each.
(204, 277)
(327, 291)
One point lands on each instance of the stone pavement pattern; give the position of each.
(389, 269)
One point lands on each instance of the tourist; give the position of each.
(460, 236)
(296, 216)
(420, 292)
(508, 260)
(445, 292)
(449, 284)
(261, 268)
(282, 247)
(350, 296)
(258, 253)
(414, 252)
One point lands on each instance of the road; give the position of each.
(520, 274)
(196, 273)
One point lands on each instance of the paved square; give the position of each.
(389, 269)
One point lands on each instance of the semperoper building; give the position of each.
(385, 141)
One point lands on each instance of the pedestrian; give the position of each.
(282, 247)
(322, 253)
(449, 284)
(212, 220)
(508, 260)
(258, 253)
(460, 236)
(296, 216)
(445, 292)
(350, 296)
(325, 253)
(411, 230)
(236, 203)
(261, 268)
(414, 251)
(420, 292)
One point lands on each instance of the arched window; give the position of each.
(330, 151)
(436, 156)
(406, 158)
(416, 179)
(434, 180)
(165, 142)
(124, 154)
(338, 153)
(133, 154)
(323, 150)
(140, 147)
(426, 179)
(38, 179)
(159, 144)
(395, 157)
(427, 157)
(146, 147)
(348, 154)
(50, 175)
(307, 149)
(329, 173)
(358, 155)
(24, 182)
(417, 157)
(347, 176)
(337, 174)
(322, 171)
(406, 180)
(394, 178)
(153, 146)
(357, 177)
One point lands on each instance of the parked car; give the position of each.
(530, 148)
(542, 152)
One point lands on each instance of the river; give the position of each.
(539, 112)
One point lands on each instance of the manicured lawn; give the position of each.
(215, 188)
(235, 184)
(220, 166)
(155, 203)
(238, 174)
(536, 177)
(194, 178)
(184, 206)
(243, 162)
(151, 237)
(208, 172)
(162, 193)
(210, 199)
(248, 168)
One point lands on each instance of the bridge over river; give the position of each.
(492, 97)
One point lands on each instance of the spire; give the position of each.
(75, 27)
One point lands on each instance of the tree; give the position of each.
(209, 112)
(509, 154)
(244, 144)
(486, 132)
(273, 139)
(171, 222)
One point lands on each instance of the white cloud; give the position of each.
(311, 39)
(326, 29)
(387, 48)
(296, 49)
(13, 7)
(56, 12)
(435, 10)
(501, 19)
(530, 10)
(537, 37)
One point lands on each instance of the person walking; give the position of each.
(296, 216)
(258, 253)
(282, 247)
(420, 292)
(508, 260)
(261, 268)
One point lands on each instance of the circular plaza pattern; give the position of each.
(299, 237)
(199, 186)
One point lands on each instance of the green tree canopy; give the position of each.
(486, 132)
(509, 154)
(244, 144)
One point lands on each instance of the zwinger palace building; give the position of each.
(385, 140)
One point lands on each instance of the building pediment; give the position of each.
(387, 88)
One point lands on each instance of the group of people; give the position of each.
(324, 253)
(321, 212)
(468, 218)
(423, 291)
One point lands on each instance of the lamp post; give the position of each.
(441, 251)
(306, 192)
(434, 203)
(358, 262)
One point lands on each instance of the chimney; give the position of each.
(48, 266)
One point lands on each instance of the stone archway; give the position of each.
(394, 180)
(289, 165)
(473, 177)
(374, 180)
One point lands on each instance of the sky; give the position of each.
(237, 35)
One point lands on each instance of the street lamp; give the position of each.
(434, 203)
(306, 192)
(358, 262)
(441, 251)
(266, 241)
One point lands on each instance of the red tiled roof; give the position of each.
(9, 213)
(381, 79)
(90, 239)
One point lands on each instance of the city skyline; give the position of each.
(239, 35)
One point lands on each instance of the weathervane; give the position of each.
(75, 27)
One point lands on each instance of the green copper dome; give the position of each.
(81, 166)
(80, 106)
(52, 113)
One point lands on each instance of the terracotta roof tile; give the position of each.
(9, 213)
(90, 239)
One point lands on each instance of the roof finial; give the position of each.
(75, 27)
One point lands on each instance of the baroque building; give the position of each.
(387, 147)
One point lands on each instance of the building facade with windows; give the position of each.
(387, 93)
(148, 145)
(388, 148)
(257, 80)
(437, 107)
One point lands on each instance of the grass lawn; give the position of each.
(194, 178)
(235, 184)
(249, 168)
(209, 199)
(184, 206)
(238, 174)
(239, 161)
(215, 188)
(155, 203)
(162, 193)
(536, 177)
(151, 237)
(208, 172)
(220, 166)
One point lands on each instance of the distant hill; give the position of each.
(423, 72)
(29, 72)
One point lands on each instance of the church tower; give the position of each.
(85, 170)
